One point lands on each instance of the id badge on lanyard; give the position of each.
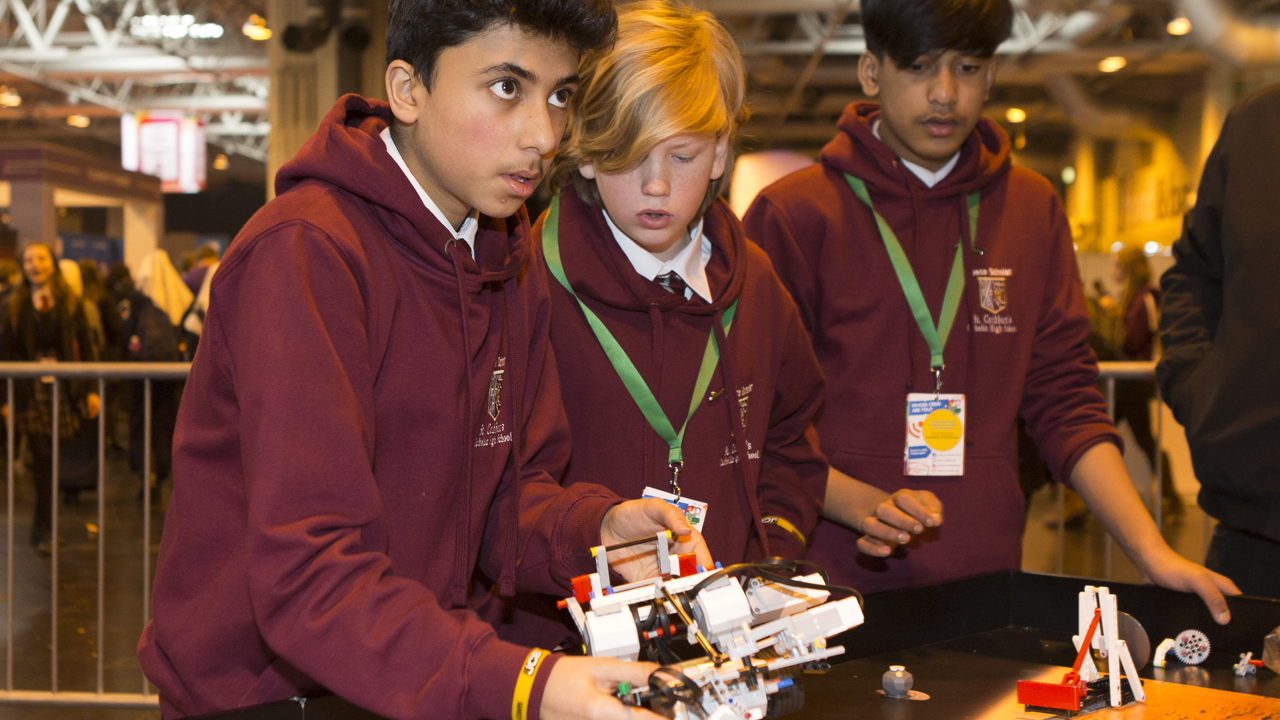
(935, 421)
(935, 434)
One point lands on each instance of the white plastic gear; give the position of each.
(1192, 647)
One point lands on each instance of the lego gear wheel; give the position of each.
(1192, 647)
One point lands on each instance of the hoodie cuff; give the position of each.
(496, 667)
(579, 530)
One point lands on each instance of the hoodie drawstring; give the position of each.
(739, 433)
(461, 568)
(516, 345)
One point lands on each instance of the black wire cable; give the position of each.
(769, 569)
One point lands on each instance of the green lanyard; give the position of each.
(935, 337)
(622, 364)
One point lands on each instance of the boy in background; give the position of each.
(374, 413)
(936, 278)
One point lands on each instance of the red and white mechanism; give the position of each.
(1083, 689)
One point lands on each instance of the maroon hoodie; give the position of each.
(370, 415)
(1018, 349)
(769, 377)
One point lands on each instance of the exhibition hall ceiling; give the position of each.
(91, 60)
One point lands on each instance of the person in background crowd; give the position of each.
(206, 256)
(10, 278)
(1220, 334)
(96, 294)
(161, 282)
(978, 233)
(1139, 314)
(150, 335)
(45, 322)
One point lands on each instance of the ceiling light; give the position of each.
(255, 28)
(174, 27)
(1117, 246)
(1112, 64)
(1068, 175)
(1178, 26)
(9, 97)
(1151, 247)
(220, 162)
(80, 121)
(1015, 115)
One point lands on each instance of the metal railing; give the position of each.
(1108, 374)
(102, 372)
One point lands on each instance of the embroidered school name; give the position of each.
(993, 297)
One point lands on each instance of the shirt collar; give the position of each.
(466, 233)
(927, 176)
(690, 264)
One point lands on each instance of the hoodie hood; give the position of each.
(599, 269)
(347, 152)
(856, 150)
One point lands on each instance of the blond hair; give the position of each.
(672, 70)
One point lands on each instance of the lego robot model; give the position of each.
(1083, 689)
(754, 625)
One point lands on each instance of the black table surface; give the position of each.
(968, 642)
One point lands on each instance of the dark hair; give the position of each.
(909, 29)
(418, 30)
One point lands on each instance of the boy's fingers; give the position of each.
(890, 514)
(870, 546)
(922, 505)
(873, 528)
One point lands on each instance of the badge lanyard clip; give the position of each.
(937, 381)
(676, 467)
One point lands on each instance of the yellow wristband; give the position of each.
(785, 525)
(524, 683)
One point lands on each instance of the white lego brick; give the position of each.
(770, 601)
(722, 609)
(612, 635)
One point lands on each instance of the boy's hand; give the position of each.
(1178, 573)
(637, 519)
(583, 688)
(901, 515)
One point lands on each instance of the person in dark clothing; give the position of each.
(97, 293)
(43, 322)
(150, 337)
(914, 211)
(1139, 314)
(205, 257)
(1221, 343)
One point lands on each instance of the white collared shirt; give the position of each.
(690, 264)
(927, 176)
(470, 225)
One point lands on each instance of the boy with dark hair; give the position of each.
(936, 278)
(374, 413)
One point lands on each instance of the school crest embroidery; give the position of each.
(744, 394)
(495, 394)
(991, 294)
